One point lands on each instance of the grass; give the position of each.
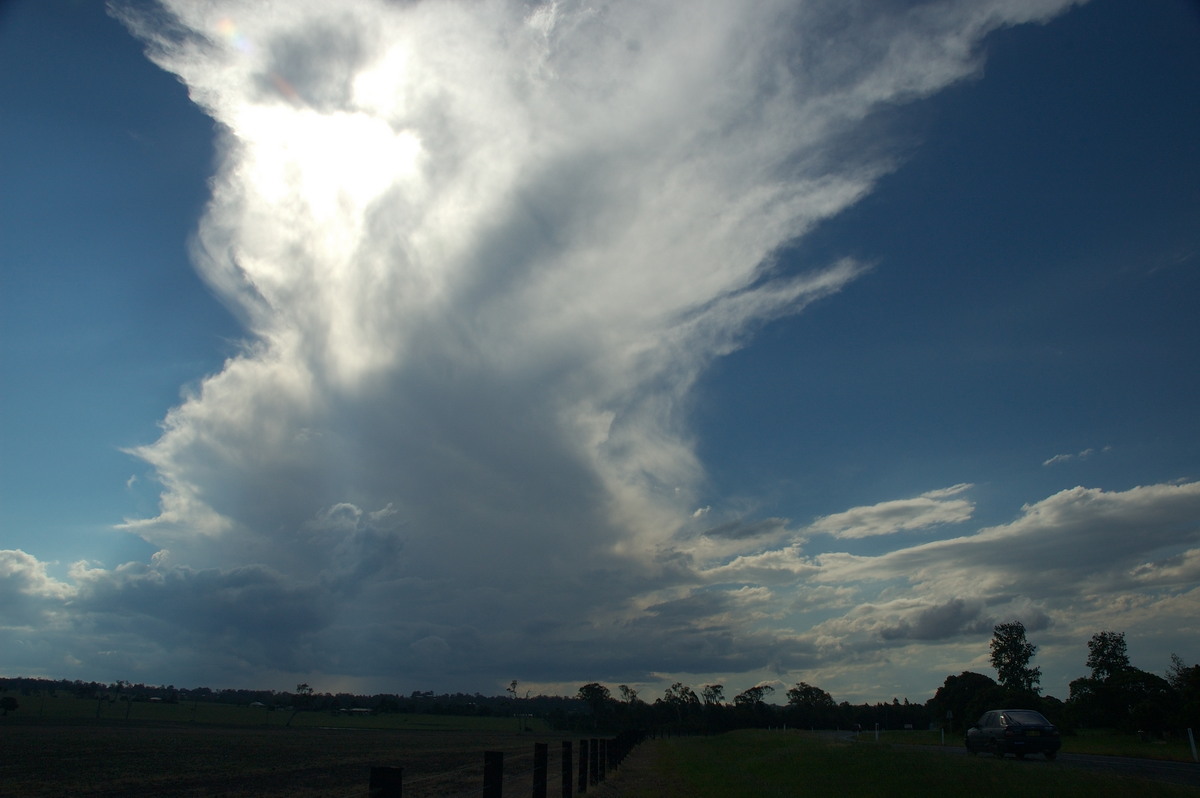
(1088, 741)
(764, 764)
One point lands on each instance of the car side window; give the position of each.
(986, 720)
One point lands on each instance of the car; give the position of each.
(1014, 731)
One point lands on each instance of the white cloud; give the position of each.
(929, 509)
(1066, 458)
(482, 252)
(1078, 537)
(1068, 565)
(23, 573)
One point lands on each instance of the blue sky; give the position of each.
(632, 343)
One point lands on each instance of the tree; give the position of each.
(1185, 681)
(8, 704)
(596, 696)
(810, 706)
(805, 696)
(1120, 695)
(713, 694)
(753, 696)
(628, 693)
(1011, 654)
(680, 696)
(1107, 655)
(963, 698)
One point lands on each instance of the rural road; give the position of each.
(1157, 769)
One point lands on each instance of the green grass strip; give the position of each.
(765, 764)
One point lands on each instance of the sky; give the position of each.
(392, 346)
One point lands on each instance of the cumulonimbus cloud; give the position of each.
(482, 252)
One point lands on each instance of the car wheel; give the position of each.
(1051, 754)
(997, 750)
(1020, 754)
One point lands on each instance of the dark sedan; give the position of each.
(1014, 731)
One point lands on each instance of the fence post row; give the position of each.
(596, 758)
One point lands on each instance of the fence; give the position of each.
(583, 764)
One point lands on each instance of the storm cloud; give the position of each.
(483, 253)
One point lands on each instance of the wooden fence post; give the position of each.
(568, 772)
(594, 761)
(493, 774)
(602, 769)
(583, 766)
(386, 782)
(541, 762)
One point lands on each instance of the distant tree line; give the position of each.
(682, 710)
(1114, 695)
(303, 697)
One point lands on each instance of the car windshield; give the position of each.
(1026, 717)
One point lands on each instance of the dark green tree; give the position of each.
(753, 696)
(714, 694)
(1107, 655)
(806, 696)
(8, 704)
(681, 697)
(1148, 698)
(962, 699)
(1185, 681)
(1011, 654)
(810, 706)
(750, 706)
(597, 697)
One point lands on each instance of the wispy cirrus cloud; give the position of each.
(1066, 458)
